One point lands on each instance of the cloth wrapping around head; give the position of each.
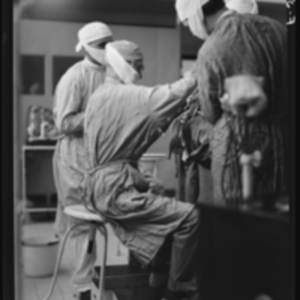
(191, 11)
(92, 32)
(116, 55)
(243, 6)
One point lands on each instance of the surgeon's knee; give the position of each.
(194, 216)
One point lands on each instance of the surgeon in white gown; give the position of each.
(71, 97)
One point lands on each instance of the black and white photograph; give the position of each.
(152, 150)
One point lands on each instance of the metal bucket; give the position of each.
(39, 256)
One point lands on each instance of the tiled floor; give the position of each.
(37, 288)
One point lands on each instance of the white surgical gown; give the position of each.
(71, 97)
(121, 123)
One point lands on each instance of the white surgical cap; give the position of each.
(116, 55)
(129, 50)
(243, 6)
(92, 32)
(191, 11)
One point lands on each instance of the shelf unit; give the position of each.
(146, 158)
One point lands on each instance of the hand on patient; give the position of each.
(244, 91)
(155, 185)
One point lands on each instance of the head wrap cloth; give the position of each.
(116, 55)
(92, 32)
(243, 6)
(191, 11)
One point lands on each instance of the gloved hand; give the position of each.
(155, 185)
(188, 74)
(244, 91)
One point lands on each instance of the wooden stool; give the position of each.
(96, 222)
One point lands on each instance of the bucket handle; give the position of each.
(51, 243)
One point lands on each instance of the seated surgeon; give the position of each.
(122, 121)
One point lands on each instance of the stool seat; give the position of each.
(80, 212)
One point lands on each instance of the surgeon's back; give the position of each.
(242, 44)
(115, 121)
(123, 120)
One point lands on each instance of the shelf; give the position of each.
(145, 157)
(49, 209)
(38, 148)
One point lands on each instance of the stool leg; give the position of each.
(92, 234)
(103, 231)
(58, 261)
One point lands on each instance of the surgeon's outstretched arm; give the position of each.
(168, 99)
(183, 88)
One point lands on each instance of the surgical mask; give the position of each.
(97, 54)
(196, 25)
